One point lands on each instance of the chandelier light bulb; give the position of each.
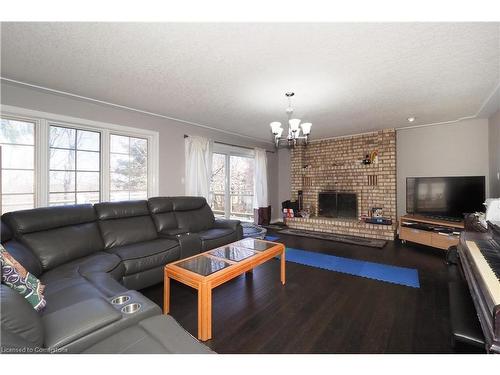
(279, 133)
(294, 124)
(306, 128)
(275, 127)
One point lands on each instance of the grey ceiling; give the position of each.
(348, 78)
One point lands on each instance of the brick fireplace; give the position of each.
(335, 165)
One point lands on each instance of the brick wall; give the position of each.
(335, 165)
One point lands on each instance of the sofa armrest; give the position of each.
(226, 223)
(231, 224)
(173, 232)
(75, 321)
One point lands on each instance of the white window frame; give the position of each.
(228, 151)
(43, 120)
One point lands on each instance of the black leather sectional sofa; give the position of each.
(87, 256)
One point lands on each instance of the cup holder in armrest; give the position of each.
(120, 300)
(131, 308)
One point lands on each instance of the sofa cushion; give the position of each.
(158, 334)
(97, 262)
(124, 223)
(45, 218)
(20, 320)
(162, 211)
(57, 235)
(15, 276)
(216, 237)
(193, 213)
(67, 292)
(146, 255)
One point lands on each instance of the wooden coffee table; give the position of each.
(212, 268)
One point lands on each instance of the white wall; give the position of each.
(494, 149)
(457, 149)
(171, 142)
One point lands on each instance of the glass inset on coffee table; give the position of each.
(203, 265)
(233, 253)
(254, 244)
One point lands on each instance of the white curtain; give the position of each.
(260, 179)
(198, 166)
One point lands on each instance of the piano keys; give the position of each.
(480, 259)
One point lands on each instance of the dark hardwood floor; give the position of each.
(320, 311)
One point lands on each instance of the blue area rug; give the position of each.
(377, 271)
(271, 238)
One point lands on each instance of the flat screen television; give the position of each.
(447, 197)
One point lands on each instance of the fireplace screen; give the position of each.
(339, 205)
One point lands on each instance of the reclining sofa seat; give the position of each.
(182, 216)
(129, 233)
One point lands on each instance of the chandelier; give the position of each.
(293, 137)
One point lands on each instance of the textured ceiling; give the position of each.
(348, 78)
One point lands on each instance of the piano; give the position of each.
(480, 259)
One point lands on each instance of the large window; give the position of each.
(232, 183)
(17, 139)
(74, 167)
(128, 168)
(52, 160)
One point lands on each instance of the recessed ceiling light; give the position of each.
(411, 119)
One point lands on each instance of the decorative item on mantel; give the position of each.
(375, 217)
(370, 158)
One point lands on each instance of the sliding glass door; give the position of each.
(232, 184)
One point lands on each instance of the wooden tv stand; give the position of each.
(428, 231)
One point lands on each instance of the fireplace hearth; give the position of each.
(337, 205)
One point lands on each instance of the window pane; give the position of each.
(218, 181)
(62, 137)
(119, 181)
(62, 159)
(17, 157)
(87, 181)
(128, 168)
(241, 207)
(63, 181)
(87, 161)
(89, 141)
(119, 196)
(218, 205)
(119, 163)
(17, 140)
(137, 195)
(17, 202)
(119, 144)
(80, 178)
(17, 182)
(241, 175)
(17, 132)
(87, 198)
(61, 199)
